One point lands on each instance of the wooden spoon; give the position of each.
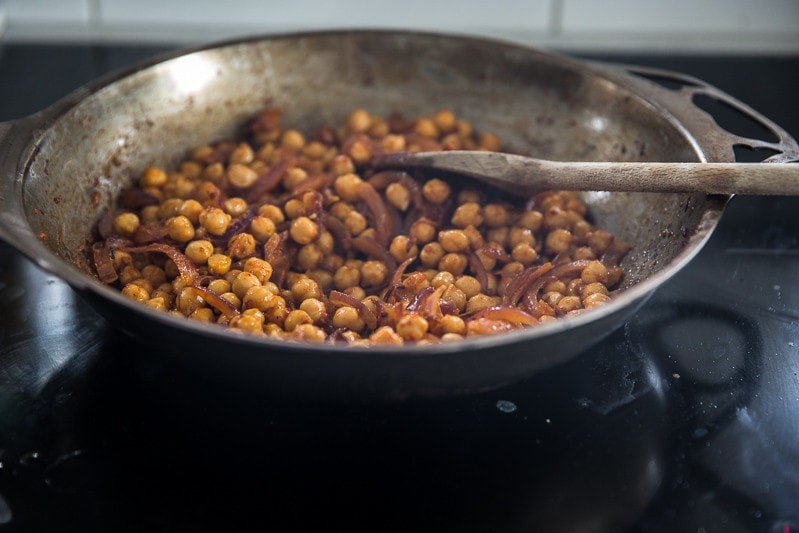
(527, 175)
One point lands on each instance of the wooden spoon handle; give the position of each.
(526, 175)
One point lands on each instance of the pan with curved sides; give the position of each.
(61, 168)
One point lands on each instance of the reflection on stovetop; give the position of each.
(685, 419)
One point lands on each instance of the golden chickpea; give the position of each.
(304, 288)
(303, 230)
(442, 278)
(326, 242)
(126, 223)
(355, 222)
(374, 273)
(558, 241)
(436, 191)
(199, 251)
(455, 296)
(402, 248)
(310, 333)
(149, 214)
(293, 140)
(241, 246)
(188, 301)
(262, 228)
(191, 209)
(252, 323)
(519, 234)
(152, 177)
(154, 274)
(242, 154)
(422, 231)
(180, 229)
(568, 304)
(453, 262)
(219, 264)
(599, 240)
(129, 274)
(556, 217)
(425, 127)
(385, 335)
(294, 176)
(524, 254)
(356, 292)
(489, 142)
(260, 268)
(272, 212)
(309, 257)
(398, 196)
(219, 286)
(393, 143)
(158, 303)
(241, 176)
(583, 252)
(412, 327)
(453, 240)
(531, 220)
(346, 186)
(430, 254)
(341, 164)
(235, 207)
(469, 285)
(452, 324)
(469, 213)
(445, 120)
(595, 271)
(136, 292)
(593, 288)
(347, 276)
(481, 301)
(595, 299)
(348, 317)
(359, 121)
(315, 309)
(295, 318)
(203, 314)
(581, 228)
(214, 220)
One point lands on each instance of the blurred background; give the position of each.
(645, 26)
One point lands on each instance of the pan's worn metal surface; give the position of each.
(63, 167)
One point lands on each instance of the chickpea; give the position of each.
(453, 262)
(452, 324)
(191, 209)
(524, 254)
(532, 220)
(481, 301)
(188, 301)
(402, 248)
(180, 228)
(303, 230)
(489, 142)
(599, 241)
(374, 273)
(235, 207)
(346, 186)
(495, 215)
(412, 327)
(126, 223)
(359, 121)
(293, 140)
(346, 276)
(445, 120)
(469, 285)
(422, 231)
(154, 274)
(272, 212)
(442, 278)
(310, 333)
(595, 271)
(341, 164)
(393, 143)
(305, 288)
(398, 196)
(595, 299)
(469, 213)
(355, 222)
(347, 317)
(219, 286)
(315, 309)
(296, 318)
(219, 264)
(241, 246)
(253, 323)
(214, 220)
(558, 241)
(136, 292)
(152, 177)
(199, 251)
(241, 176)
(436, 191)
(294, 176)
(260, 268)
(385, 335)
(568, 304)
(453, 240)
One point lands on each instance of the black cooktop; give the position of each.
(685, 419)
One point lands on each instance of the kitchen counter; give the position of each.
(685, 419)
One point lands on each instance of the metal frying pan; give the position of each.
(62, 167)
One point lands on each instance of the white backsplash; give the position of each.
(734, 26)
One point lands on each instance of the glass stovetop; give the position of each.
(685, 419)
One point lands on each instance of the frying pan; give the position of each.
(61, 168)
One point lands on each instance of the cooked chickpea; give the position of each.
(436, 191)
(453, 262)
(359, 121)
(355, 222)
(347, 317)
(219, 264)
(402, 248)
(469, 285)
(241, 246)
(469, 213)
(126, 223)
(452, 324)
(412, 327)
(393, 143)
(235, 207)
(296, 318)
(346, 276)
(595, 271)
(480, 301)
(241, 176)
(398, 196)
(180, 228)
(199, 251)
(374, 273)
(303, 230)
(568, 304)
(293, 140)
(595, 299)
(135, 291)
(214, 220)
(315, 309)
(558, 241)
(524, 254)
(453, 240)
(385, 335)
(152, 177)
(422, 231)
(305, 288)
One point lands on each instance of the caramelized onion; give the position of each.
(521, 282)
(266, 181)
(512, 315)
(216, 301)
(188, 272)
(383, 223)
(340, 298)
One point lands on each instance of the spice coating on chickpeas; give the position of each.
(294, 235)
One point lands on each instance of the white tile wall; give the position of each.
(674, 25)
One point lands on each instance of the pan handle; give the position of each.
(679, 97)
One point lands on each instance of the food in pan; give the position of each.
(296, 237)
